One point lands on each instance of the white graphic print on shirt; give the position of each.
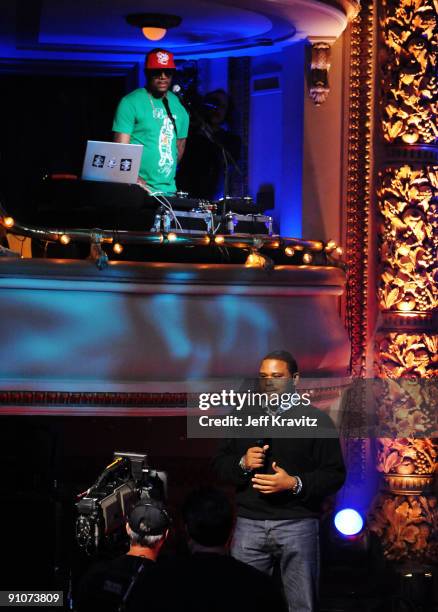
(167, 134)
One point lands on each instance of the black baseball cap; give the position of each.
(149, 518)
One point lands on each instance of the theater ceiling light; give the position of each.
(153, 25)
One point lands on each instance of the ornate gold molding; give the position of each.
(357, 231)
(358, 184)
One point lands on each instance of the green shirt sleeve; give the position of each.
(124, 119)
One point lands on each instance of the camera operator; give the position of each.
(209, 579)
(110, 585)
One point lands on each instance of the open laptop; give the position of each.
(111, 162)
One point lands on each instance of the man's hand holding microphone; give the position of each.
(280, 480)
(255, 457)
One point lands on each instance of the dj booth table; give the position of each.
(76, 203)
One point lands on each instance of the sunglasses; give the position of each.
(157, 72)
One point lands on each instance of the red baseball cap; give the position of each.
(159, 58)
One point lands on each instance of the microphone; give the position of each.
(262, 442)
(265, 442)
(179, 93)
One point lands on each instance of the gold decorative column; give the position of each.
(405, 515)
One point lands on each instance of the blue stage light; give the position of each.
(348, 522)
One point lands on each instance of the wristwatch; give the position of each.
(242, 465)
(296, 489)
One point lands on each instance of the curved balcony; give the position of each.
(132, 327)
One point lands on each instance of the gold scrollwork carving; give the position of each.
(407, 354)
(406, 407)
(408, 247)
(406, 517)
(409, 70)
(406, 526)
(406, 456)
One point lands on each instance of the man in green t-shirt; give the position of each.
(154, 117)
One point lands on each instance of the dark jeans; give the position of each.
(295, 544)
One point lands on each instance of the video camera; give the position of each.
(104, 507)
